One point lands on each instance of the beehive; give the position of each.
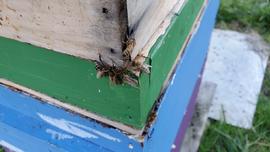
(50, 49)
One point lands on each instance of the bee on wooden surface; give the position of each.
(130, 44)
(138, 64)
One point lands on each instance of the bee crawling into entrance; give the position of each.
(128, 72)
(130, 44)
(117, 75)
(134, 65)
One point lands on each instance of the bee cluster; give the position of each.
(129, 72)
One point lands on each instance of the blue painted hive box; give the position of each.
(30, 123)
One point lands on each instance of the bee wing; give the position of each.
(146, 68)
(128, 80)
(100, 74)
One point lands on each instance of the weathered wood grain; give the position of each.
(86, 28)
(136, 11)
(146, 17)
(82, 28)
(74, 82)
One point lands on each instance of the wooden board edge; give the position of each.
(162, 28)
(44, 98)
(80, 111)
(193, 30)
(170, 76)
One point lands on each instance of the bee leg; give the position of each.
(146, 68)
(128, 80)
(126, 55)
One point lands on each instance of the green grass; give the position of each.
(1, 149)
(244, 15)
(220, 137)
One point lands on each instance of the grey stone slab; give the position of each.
(236, 63)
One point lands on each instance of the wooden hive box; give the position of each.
(55, 49)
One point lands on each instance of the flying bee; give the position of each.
(130, 44)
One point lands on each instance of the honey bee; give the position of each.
(117, 75)
(127, 73)
(138, 64)
(130, 44)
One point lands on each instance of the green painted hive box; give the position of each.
(55, 53)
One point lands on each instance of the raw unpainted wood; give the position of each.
(162, 28)
(145, 17)
(88, 114)
(194, 29)
(136, 11)
(144, 51)
(83, 28)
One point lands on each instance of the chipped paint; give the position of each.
(130, 146)
(77, 129)
(10, 146)
(101, 134)
(172, 82)
(67, 126)
(159, 141)
(25, 123)
(69, 89)
(58, 135)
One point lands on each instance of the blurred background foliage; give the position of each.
(245, 15)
